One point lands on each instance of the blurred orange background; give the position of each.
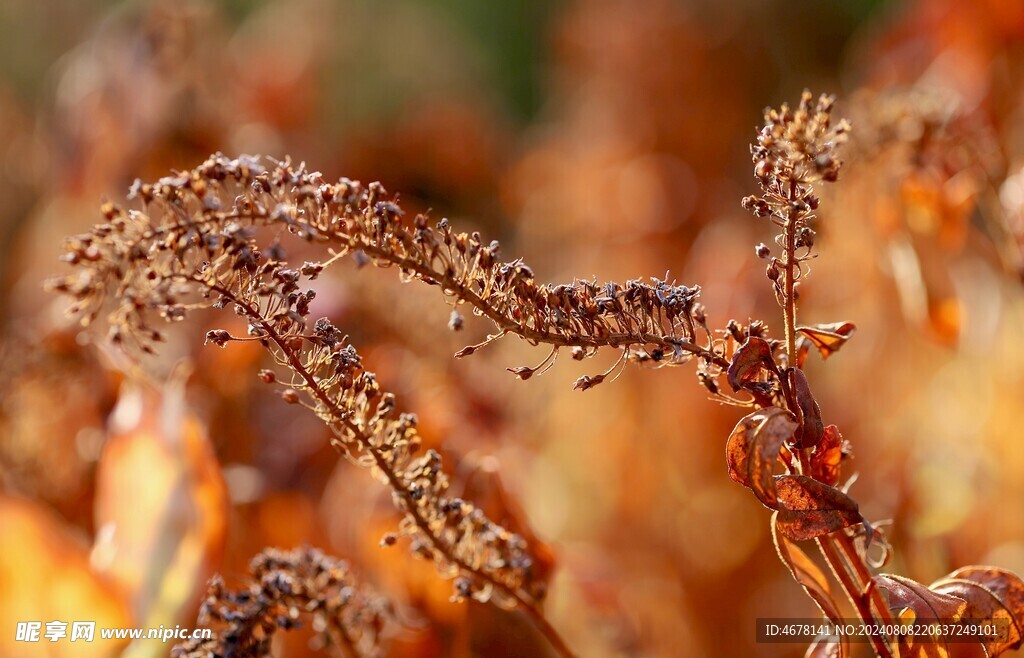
(601, 138)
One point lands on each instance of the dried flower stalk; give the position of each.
(654, 321)
(795, 150)
(169, 262)
(285, 586)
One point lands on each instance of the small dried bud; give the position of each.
(219, 337)
(108, 209)
(522, 372)
(463, 588)
(311, 270)
(756, 205)
(587, 382)
(762, 170)
(455, 321)
(290, 396)
(708, 382)
(389, 539)
(578, 353)
(268, 376)
(763, 251)
(805, 238)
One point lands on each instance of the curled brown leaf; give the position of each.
(1005, 585)
(984, 604)
(828, 338)
(903, 593)
(809, 509)
(749, 360)
(811, 427)
(827, 456)
(753, 449)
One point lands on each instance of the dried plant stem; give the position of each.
(853, 575)
(856, 588)
(838, 549)
(340, 422)
(863, 574)
(789, 277)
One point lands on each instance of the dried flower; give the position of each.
(362, 221)
(184, 252)
(284, 587)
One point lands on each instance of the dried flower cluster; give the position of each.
(284, 587)
(654, 321)
(794, 150)
(185, 253)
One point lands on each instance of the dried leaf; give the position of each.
(902, 593)
(753, 449)
(827, 456)
(749, 360)
(828, 338)
(811, 428)
(812, 579)
(809, 509)
(1005, 585)
(982, 603)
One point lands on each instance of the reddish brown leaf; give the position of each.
(1005, 585)
(827, 456)
(812, 579)
(749, 360)
(803, 348)
(753, 449)
(828, 338)
(811, 427)
(903, 593)
(982, 603)
(809, 509)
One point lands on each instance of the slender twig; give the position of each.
(789, 280)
